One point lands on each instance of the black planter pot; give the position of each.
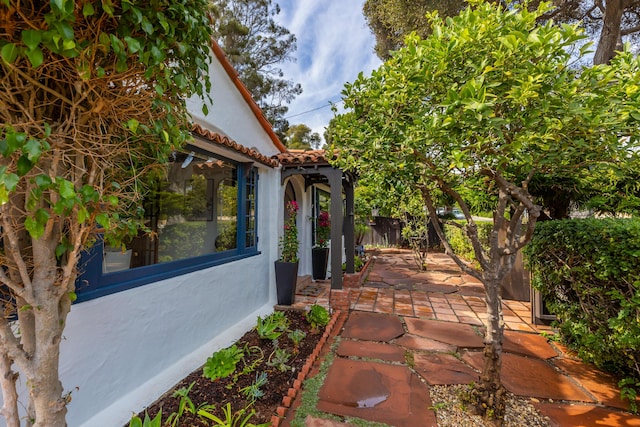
(286, 278)
(319, 258)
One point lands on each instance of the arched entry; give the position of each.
(289, 196)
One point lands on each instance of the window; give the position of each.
(202, 211)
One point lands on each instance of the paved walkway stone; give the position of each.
(425, 344)
(457, 334)
(372, 327)
(586, 416)
(526, 344)
(443, 310)
(603, 386)
(526, 376)
(370, 350)
(380, 392)
(320, 422)
(443, 369)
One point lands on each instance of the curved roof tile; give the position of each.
(302, 157)
(227, 142)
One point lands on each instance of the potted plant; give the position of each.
(117, 245)
(287, 266)
(320, 252)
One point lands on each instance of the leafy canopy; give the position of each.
(99, 85)
(92, 96)
(301, 137)
(488, 100)
(488, 93)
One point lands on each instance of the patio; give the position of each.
(431, 316)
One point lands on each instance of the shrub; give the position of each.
(461, 244)
(587, 273)
(272, 326)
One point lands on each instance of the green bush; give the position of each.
(587, 272)
(461, 244)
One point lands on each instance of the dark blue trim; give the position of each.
(91, 285)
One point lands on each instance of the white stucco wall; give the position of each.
(229, 114)
(123, 351)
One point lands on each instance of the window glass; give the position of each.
(192, 211)
(250, 210)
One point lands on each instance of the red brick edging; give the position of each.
(297, 384)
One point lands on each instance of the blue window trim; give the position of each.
(93, 283)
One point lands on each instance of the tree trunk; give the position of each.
(610, 34)
(45, 388)
(9, 392)
(490, 391)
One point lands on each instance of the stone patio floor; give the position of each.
(434, 320)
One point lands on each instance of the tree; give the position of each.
(255, 45)
(488, 97)
(391, 20)
(300, 137)
(92, 95)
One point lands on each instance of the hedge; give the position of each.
(588, 272)
(461, 244)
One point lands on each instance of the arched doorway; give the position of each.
(289, 196)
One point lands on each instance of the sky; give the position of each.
(334, 45)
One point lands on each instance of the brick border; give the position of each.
(287, 400)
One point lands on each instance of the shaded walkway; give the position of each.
(409, 330)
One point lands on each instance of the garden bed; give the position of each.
(263, 359)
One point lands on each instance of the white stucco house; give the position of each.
(143, 323)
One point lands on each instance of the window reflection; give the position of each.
(192, 210)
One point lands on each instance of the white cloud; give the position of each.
(334, 45)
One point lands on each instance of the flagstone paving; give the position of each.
(400, 339)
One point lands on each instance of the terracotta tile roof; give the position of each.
(302, 157)
(231, 144)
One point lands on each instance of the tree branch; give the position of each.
(426, 194)
(13, 250)
(10, 345)
(55, 93)
(8, 380)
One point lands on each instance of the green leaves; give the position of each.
(35, 224)
(222, 363)
(9, 52)
(494, 91)
(31, 38)
(586, 271)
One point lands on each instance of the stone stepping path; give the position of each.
(414, 329)
(371, 378)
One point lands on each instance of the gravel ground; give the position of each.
(449, 410)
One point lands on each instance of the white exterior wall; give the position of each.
(123, 351)
(229, 114)
(304, 200)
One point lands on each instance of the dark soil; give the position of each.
(228, 390)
